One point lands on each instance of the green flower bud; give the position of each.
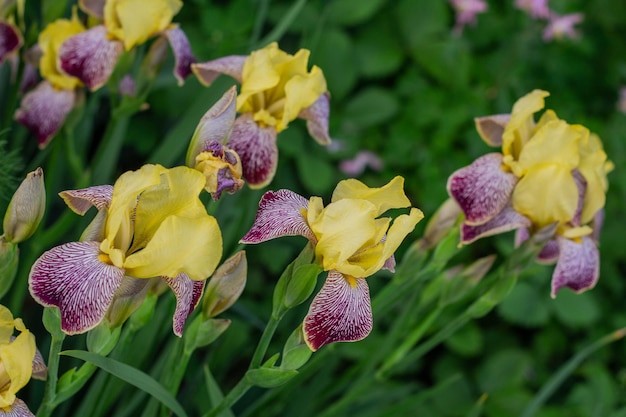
(9, 255)
(26, 208)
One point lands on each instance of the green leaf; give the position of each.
(378, 56)
(131, 375)
(445, 60)
(215, 393)
(372, 106)
(418, 20)
(316, 173)
(467, 341)
(576, 310)
(335, 56)
(505, 369)
(525, 306)
(9, 257)
(352, 12)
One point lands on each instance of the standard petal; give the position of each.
(90, 56)
(82, 200)
(281, 213)
(256, 146)
(10, 40)
(490, 128)
(231, 65)
(182, 53)
(17, 409)
(340, 312)
(40, 370)
(389, 196)
(578, 267)
(74, 278)
(188, 293)
(316, 116)
(508, 219)
(482, 189)
(93, 8)
(43, 111)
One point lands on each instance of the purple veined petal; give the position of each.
(17, 409)
(390, 264)
(482, 189)
(316, 116)
(340, 312)
(256, 146)
(30, 77)
(490, 128)
(73, 278)
(79, 201)
(548, 254)
(93, 8)
(578, 267)
(281, 213)
(43, 111)
(508, 219)
(598, 221)
(90, 56)
(182, 53)
(10, 40)
(581, 185)
(231, 65)
(40, 370)
(188, 294)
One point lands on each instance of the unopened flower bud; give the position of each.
(440, 224)
(9, 255)
(26, 208)
(226, 285)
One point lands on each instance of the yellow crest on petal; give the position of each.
(50, 40)
(277, 86)
(135, 21)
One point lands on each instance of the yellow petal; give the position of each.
(17, 359)
(547, 193)
(259, 74)
(6, 324)
(384, 198)
(50, 40)
(593, 166)
(521, 124)
(301, 91)
(136, 21)
(189, 245)
(556, 142)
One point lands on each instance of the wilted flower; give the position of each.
(19, 361)
(537, 9)
(276, 88)
(151, 223)
(562, 27)
(548, 172)
(352, 242)
(466, 12)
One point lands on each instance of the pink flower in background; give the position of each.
(357, 165)
(537, 9)
(561, 27)
(466, 11)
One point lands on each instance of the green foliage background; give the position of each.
(404, 86)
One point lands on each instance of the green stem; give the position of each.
(264, 343)
(233, 396)
(282, 26)
(106, 158)
(261, 15)
(565, 371)
(48, 404)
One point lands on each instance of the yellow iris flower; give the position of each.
(276, 86)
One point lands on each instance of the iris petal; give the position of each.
(389, 196)
(182, 53)
(340, 312)
(316, 116)
(578, 267)
(506, 220)
(73, 278)
(82, 200)
(231, 65)
(188, 293)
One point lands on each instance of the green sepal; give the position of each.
(295, 353)
(52, 322)
(301, 285)
(279, 306)
(203, 332)
(102, 339)
(269, 377)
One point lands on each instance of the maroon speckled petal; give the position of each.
(316, 116)
(340, 312)
(281, 213)
(82, 200)
(231, 65)
(43, 111)
(578, 267)
(256, 146)
(188, 294)
(10, 40)
(17, 409)
(482, 189)
(508, 219)
(90, 56)
(490, 128)
(182, 53)
(73, 278)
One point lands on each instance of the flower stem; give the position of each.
(48, 404)
(264, 343)
(233, 396)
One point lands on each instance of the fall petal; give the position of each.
(316, 116)
(188, 293)
(490, 128)
(482, 189)
(182, 53)
(90, 56)
(82, 200)
(340, 312)
(578, 267)
(73, 278)
(231, 65)
(256, 146)
(508, 219)
(43, 111)
(10, 40)
(281, 213)
(17, 409)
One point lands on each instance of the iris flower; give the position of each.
(150, 224)
(276, 88)
(10, 40)
(19, 361)
(548, 172)
(352, 242)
